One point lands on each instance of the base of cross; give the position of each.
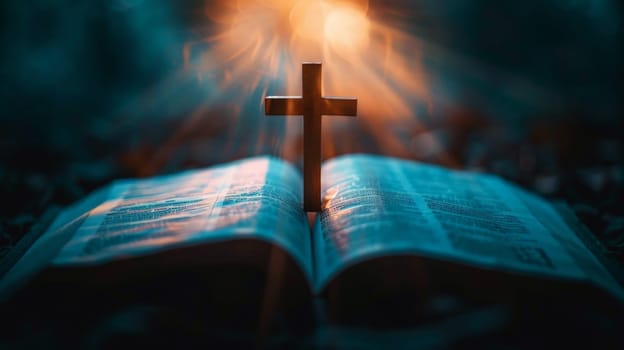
(312, 105)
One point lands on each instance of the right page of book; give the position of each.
(378, 206)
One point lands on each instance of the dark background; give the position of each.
(530, 90)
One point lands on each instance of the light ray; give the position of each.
(260, 44)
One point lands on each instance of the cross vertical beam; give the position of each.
(312, 105)
(311, 90)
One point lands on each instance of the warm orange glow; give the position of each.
(346, 29)
(263, 42)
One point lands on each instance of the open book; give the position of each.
(386, 224)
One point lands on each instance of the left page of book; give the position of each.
(257, 198)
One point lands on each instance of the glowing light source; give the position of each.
(260, 42)
(346, 28)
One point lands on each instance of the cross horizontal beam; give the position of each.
(293, 105)
(346, 106)
(283, 105)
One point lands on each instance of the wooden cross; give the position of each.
(312, 105)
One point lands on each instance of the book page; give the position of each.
(593, 269)
(377, 206)
(255, 198)
(44, 249)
